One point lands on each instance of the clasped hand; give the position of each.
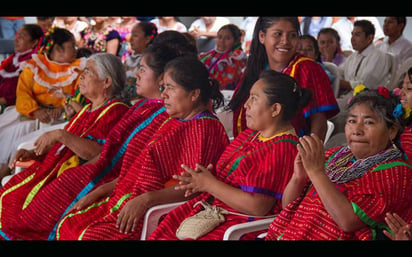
(195, 180)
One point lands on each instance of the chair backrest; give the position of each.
(401, 71)
(205, 44)
(394, 68)
(6, 46)
(333, 68)
(331, 128)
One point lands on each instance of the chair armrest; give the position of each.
(235, 232)
(153, 215)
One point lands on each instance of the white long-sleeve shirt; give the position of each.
(374, 71)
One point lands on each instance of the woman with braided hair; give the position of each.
(348, 197)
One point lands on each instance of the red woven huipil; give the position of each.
(200, 140)
(25, 188)
(9, 74)
(406, 142)
(308, 74)
(249, 164)
(386, 187)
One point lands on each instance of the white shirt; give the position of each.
(374, 71)
(401, 49)
(344, 28)
(201, 26)
(179, 26)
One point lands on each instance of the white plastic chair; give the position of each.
(226, 116)
(19, 166)
(235, 232)
(153, 215)
(391, 84)
(331, 128)
(401, 71)
(333, 68)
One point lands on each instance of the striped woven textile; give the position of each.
(33, 200)
(255, 167)
(201, 140)
(386, 187)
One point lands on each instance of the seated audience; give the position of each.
(345, 192)
(164, 23)
(395, 42)
(142, 35)
(26, 43)
(329, 46)
(123, 144)
(46, 80)
(116, 212)
(253, 170)
(100, 37)
(308, 46)
(103, 84)
(204, 30)
(405, 94)
(227, 61)
(269, 33)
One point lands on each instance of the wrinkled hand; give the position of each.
(42, 115)
(196, 180)
(46, 141)
(55, 113)
(72, 108)
(22, 155)
(312, 153)
(401, 229)
(130, 215)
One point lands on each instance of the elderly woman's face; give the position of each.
(91, 86)
(366, 132)
(177, 100)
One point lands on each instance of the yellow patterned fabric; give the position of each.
(47, 83)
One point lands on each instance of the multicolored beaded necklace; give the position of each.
(343, 167)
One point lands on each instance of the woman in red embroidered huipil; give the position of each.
(57, 150)
(348, 197)
(191, 135)
(26, 43)
(227, 60)
(255, 167)
(274, 47)
(405, 93)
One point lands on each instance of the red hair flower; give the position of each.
(383, 91)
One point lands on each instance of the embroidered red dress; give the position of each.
(9, 74)
(385, 187)
(406, 142)
(254, 166)
(308, 74)
(17, 220)
(226, 67)
(201, 140)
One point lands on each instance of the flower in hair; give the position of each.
(383, 91)
(359, 88)
(397, 92)
(398, 111)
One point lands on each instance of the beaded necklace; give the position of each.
(339, 169)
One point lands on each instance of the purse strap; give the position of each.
(221, 210)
